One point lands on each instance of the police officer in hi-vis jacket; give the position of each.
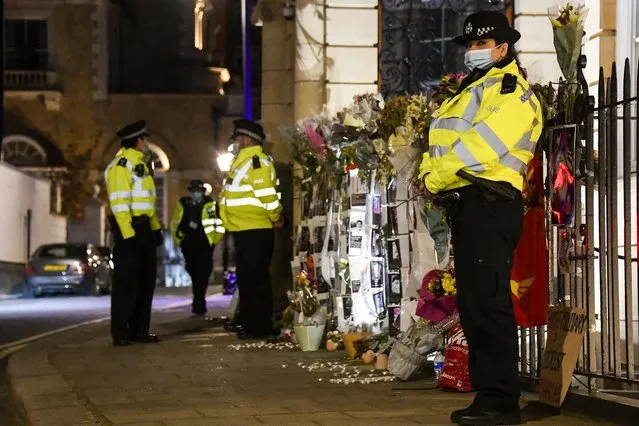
(481, 141)
(197, 229)
(250, 208)
(136, 232)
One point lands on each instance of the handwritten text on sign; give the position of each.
(566, 328)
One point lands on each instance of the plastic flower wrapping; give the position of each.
(383, 140)
(568, 31)
(433, 216)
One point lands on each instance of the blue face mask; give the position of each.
(234, 148)
(196, 196)
(479, 59)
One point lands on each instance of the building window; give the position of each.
(199, 24)
(26, 44)
(21, 151)
(417, 47)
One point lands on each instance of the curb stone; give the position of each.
(42, 394)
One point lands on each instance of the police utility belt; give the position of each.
(494, 191)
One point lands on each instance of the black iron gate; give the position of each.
(600, 270)
(416, 41)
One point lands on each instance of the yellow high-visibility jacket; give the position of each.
(211, 224)
(488, 134)
(250, 199)
(131, 190)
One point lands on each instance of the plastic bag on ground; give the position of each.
(456, 375)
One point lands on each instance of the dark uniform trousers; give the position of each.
(134, 276)
(485, 231)
(253, 252)
(199, 264)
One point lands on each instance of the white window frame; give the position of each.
(36, 15)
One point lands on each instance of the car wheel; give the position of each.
(27, 292)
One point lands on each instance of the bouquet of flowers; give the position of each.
(568, 30)
(448, 86)
(438, 296)
(303, 305)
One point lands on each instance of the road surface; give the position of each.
(23, 318)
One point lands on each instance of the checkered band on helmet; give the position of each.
(484, 30)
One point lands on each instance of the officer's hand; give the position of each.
(158, 238)
(280, 223)
(421, 187)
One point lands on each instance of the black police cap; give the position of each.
(249, 128)
(133, 130)
(485, 25)
(196, 185)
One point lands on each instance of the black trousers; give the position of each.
(135, 270)
(199, 265)
(485, 232)
(253, 251)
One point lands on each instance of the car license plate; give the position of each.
(55, 268)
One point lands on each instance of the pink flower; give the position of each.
(317, 141)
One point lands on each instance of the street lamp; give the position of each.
(224, 161)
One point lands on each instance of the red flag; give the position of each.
(529, 277)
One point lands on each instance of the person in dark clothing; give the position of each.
(480, 143)
(197, 229)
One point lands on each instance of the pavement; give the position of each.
(200, 375)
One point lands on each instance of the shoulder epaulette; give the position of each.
(256, 162)
(122, 162)
(508, 84)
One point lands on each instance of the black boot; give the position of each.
(484, 416)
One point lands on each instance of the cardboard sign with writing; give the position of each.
(566, 329)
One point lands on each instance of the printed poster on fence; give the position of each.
(566, 329)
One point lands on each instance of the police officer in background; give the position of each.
(250, 208)
(481, 141)
(197, 229)
(136, 232)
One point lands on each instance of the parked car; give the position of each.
(67, 268)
